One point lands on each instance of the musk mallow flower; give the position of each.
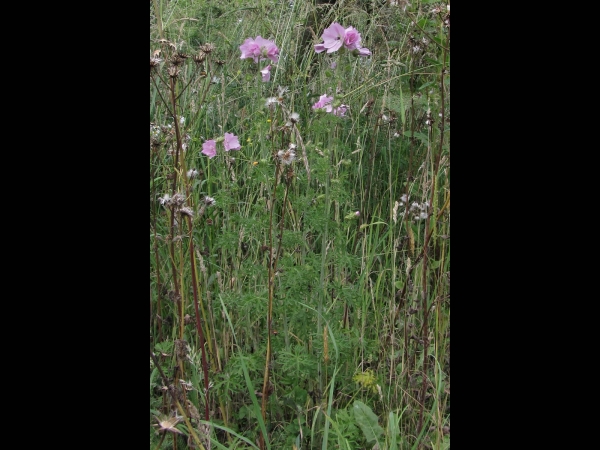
(327, 104)
(259, 49)
(362, 52)
(336, 36)
(266, 73)
(209, 148)
(333, 38)
(340, 111)
(351, 38)
(324, 100)
(231, 142)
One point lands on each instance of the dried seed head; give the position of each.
(177, 60)
(177, 199)
(186, 385)
(272, 102)
(185, 211)
(167, 43)
(168, 424)
(282, 91)
(174, 71)
(181, 348)
(200, 57)
(208, 48)
(165, 199)
(154, 62)
(287, 156)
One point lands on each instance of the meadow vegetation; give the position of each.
(299, 224)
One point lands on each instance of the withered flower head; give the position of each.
(287, 156)
(208, 48)
(185, 211)
(154, 62)
(181, 348)
(177, 60)
(174, 71)
(200, 57)
(168, 424)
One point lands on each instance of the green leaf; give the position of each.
(420, 136)
(153, 376)
(365, 225)
(368, 422)
(393, 431)
(164, 347)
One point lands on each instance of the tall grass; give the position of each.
(300, 302)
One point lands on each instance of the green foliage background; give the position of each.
(360, 326)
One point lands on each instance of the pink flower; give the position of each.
(266, 73)
(250, 49)
(352, 38)
(209, 148)
(340, 111)
(337, 36)
(231, 142)
(333, 38)
(259, 49)
(323, 102)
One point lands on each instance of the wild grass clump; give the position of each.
(299, 225)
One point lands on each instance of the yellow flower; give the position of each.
(366, 380)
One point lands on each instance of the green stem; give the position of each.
(158, 19)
